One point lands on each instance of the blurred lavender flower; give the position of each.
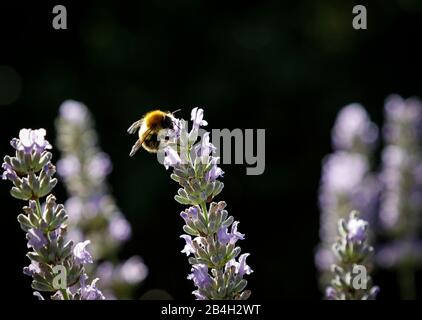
(401, 206)
(217, 271)
(346, 181)
(117, 277)
(81, 255)
(350, 279)
(31, 173)
(93, 212)
(353, 130)
(401, 202)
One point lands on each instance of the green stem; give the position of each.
(38, 207)
(204, 211)
(65, 294)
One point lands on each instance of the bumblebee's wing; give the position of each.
(135, 148)
(138, 143)
(135, 126)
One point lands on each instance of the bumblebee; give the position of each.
(149, 127)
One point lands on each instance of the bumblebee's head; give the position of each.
(168, 122)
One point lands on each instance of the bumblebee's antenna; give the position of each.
(176, 111)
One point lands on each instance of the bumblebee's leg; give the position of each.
(135, 148)
(135, 126)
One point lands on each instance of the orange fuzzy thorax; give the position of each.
(154, 118)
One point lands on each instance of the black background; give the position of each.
(286, 67)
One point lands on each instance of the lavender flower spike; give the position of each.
(217, 269)
(350, 279)
(31, 173)
(93, 212)
(401, 202)
(353, 138)
(401, 207)
(353, 130)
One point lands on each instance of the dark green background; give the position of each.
(286, 67)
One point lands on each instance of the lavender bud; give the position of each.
(350, 280)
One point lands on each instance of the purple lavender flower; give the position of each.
(204, 149)
(224, 237)
(346, 180)
(99, 166)
(350, 280)
(172, 158)
(197, 116)
(337, 168)
(353, 130)
(188, 249)
(82, 256)
(75, 209)
(215, 172)
(357, 230)
(241, 267)
(31, 157)
(401, 202)
(93, 212)
(338, 191)
(212, 252)
(36, 239)
(129, 273)
(44, 224)
(133, 270)
(89, 291)
(119, 228)
(105, 271)
(31, 140)
(68, 166)
(9, 173)
(74, 111)
(190, 215)
(330, 293)
(200, 276)
(32, 269)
